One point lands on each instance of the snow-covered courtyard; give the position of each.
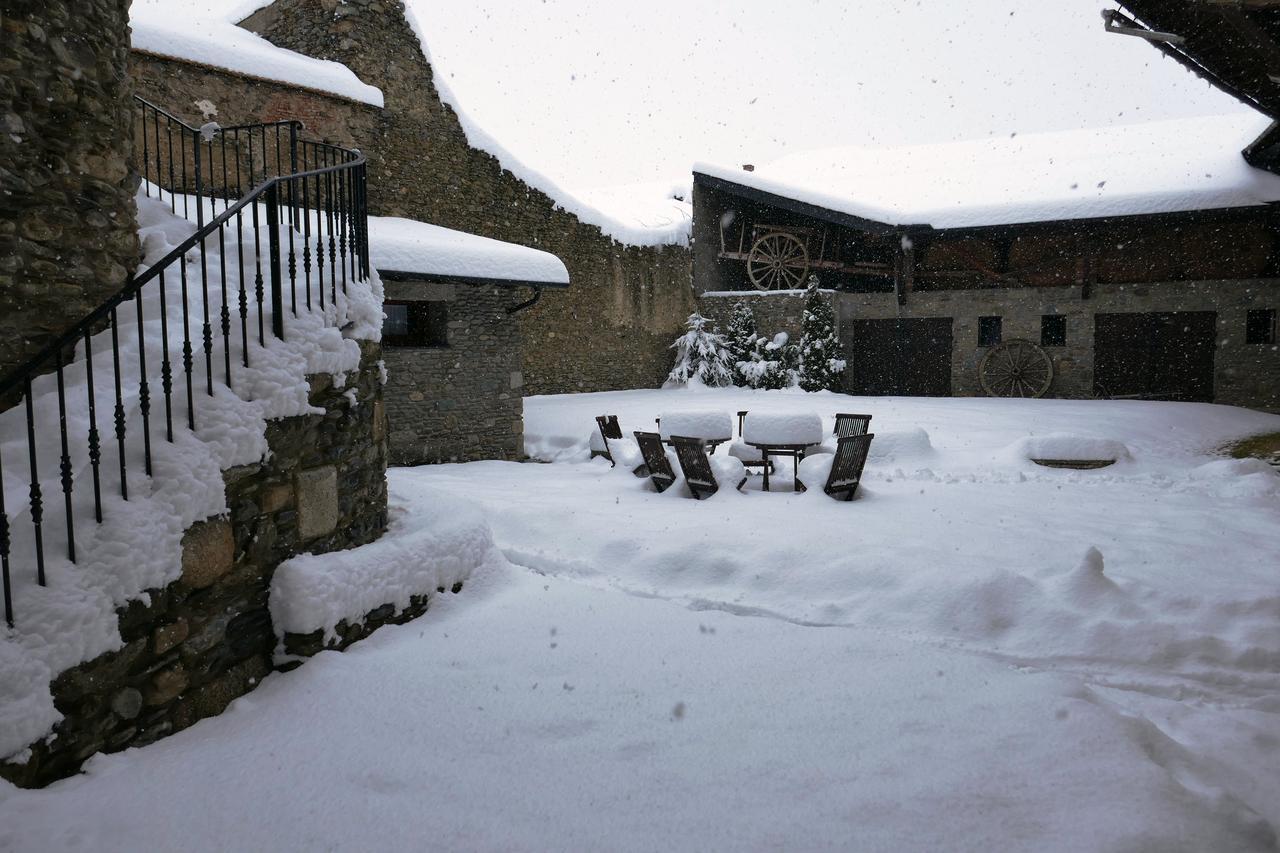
(978, 653)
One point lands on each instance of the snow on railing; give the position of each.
(290, 214)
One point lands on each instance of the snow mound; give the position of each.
(437, 542)
(783, 427)
(894, 445)
(696, 424)
(1069, 446)
(1226, 469)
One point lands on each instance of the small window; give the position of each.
(1053, 330)
(415, 324)
(988, 331)
(1260, 326)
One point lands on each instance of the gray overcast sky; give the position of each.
(598, 93)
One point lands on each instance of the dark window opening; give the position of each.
(988, 331)
(415, 324)
(1053, 330)
(1260, 326)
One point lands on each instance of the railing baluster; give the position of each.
(64, 462)
(95, 440)
(273, 244)
(118, 415)
(293, 259)
(37, 503)
(343, 214)
(166, 369)
(331, 183)
(144, 389)
(257, 246)
(244, 299)
(319, 231)
(173, 186)
(306, 233)
(4, 556)
(146, 157)
(186, 190)
(188, 352)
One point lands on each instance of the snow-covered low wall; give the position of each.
(188, 649)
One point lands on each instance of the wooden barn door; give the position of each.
(906, 358)
(1160, 355)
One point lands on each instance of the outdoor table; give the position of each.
(789, 434)
(712, 428)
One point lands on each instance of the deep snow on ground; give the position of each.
(978, 653)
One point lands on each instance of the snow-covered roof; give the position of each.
(407, 246)
(204, 32)
(1158, 167)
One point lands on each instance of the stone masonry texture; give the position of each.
(207, 638)
(609, 330)
(68, 228)
(461, 402)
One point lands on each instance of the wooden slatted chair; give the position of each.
(696, 466)
(847, 424)
(655, 459)
(609, 428)
(846, 468)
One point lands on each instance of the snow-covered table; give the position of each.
(713, 427)
(782, 434)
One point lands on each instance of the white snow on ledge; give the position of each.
(405, 245)
(433, 541)
(1158, 167)
(214, 41)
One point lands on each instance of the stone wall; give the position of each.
(774, 312)
(461, 402)
(625, 305)
(194, 646)
(68, 227)
(1244, 374)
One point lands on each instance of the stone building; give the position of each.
(451, 340)
(609, 331)
(1135, 262)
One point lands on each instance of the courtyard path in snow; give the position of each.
(976, 654)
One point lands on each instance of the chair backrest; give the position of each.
(692, 455)
(742, 416)
(655, 459)
(846, 469)
(847, 424)
(609, 427)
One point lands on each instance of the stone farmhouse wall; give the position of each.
(609, 330)
(68, 228)
(207, 638)
(461, 402)
(1243, 374)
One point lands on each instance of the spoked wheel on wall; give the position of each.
(778, 261)
(1015, 368)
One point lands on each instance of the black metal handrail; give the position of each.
(303, 189)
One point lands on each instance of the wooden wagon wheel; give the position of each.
(1015, 368)
(778, 261)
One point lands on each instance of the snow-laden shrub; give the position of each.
(701, 356)
(821, 358)
(741, 337)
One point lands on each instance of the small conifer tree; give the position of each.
(740, 340)
(701, 356)
(820, 356)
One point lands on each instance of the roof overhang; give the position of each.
(1233, 44)
(483, 281)
(802, 208)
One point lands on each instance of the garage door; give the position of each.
(910, 357)
(1161, 355)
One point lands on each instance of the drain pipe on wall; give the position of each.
(528, 303)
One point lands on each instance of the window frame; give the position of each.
(985, 324)
(427, 321)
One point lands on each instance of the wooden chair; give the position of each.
(846, 469)
(655, 459)
(847, 424)
(750, 456)
(696, 465)
(609, 428)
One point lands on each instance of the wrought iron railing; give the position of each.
(297, 212)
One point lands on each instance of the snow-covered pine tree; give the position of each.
(740, 340)
(701, 356)
(774, 362)
(821, 361)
